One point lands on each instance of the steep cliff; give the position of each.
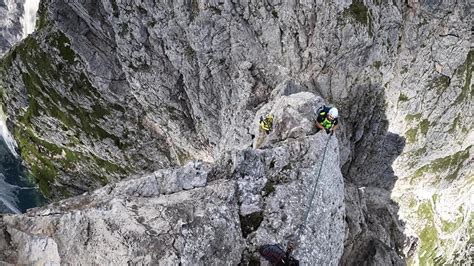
(17, 194)
(199, 213)
(108, 89)
(11, 30)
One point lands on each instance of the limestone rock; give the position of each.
(105, 90)
(11, 31)
(139, 221)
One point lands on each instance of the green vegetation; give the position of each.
(59, 40)
(411, 202)
(40, 75)
(470, 228)
(428, 235)
(449, 227)
(411, 135)
(115, 9)
(250, 223)
(424, 126)
(412, 117)
(253, 260)
(440, 83)
(360, 13)
(182, 156)
(377, 65)
(42, 168)
(451, 164)
(455, 124)
(402, 97)
(467, 88)
(42, 16)
(435, 198)
(47, 160)
(425, 211)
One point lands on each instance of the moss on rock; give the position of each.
(428, 234)
(448, 166)
(360, 13)
(43, 70)
(465, 71)
(402, 97)
(411, 135)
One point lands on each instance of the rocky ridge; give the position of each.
(200, 213)
(193, 75)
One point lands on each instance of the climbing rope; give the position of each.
(308, 209)
(292, 244)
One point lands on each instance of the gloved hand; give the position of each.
(328, 131)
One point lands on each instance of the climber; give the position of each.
(276, 256)
(265, 127)
(266, 124)
(327, 119)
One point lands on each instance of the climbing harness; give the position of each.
(266, 124)
(327, 124)
(323, 111)
(308, 209)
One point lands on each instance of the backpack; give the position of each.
(323, 110)
(276, 256)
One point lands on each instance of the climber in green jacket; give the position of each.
(327, 119)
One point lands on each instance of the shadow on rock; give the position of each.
(374, 233)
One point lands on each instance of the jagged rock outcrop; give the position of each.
(200, 213)
(191, 76)
(431, 106)
(11, 29)
(148, 85)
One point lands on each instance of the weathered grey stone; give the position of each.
(11, 31)
(183, 227)
(168, 217)
(195, 76)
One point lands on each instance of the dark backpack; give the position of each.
(323, 110)
(276, 256)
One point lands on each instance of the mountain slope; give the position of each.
(106, 89)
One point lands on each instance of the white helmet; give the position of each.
(333, 112)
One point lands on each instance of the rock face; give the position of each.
(108, 89)
(200, 213)
(432, 107)
(11, 29)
